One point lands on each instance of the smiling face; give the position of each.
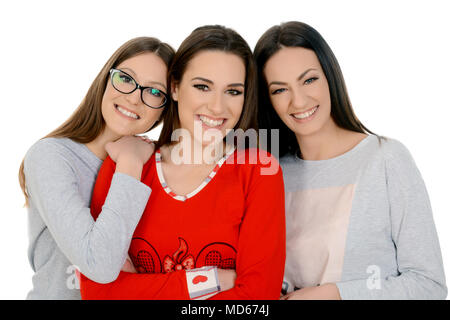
(126, 114)
(298, 90)
(211, 91)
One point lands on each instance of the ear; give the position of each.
(174, 91)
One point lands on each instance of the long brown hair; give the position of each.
(298, 34)
(216, 38)
(87, 122)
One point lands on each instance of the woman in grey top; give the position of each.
(358, 218)
(58, 173)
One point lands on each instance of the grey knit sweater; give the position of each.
(362, 220)
(60, 176)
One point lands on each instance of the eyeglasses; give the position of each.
(124, 83)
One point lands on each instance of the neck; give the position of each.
(197, 153)
(97, 146)
(327, 143)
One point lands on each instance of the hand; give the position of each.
(128, 266)
(227, 278)
(328, 291)
(141, 148)
(130, 154)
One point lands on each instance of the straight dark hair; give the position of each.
(211, 38)
(298, 34)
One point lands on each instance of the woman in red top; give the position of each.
(214, 225)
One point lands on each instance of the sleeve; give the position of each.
(259, 262)
(261, 249)
(420, 267)
(157, 286)
(97, 248)
(137, 286)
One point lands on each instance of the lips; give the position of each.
(211, 122)
(305, 115)
(126, 112)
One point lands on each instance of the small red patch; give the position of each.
(199, 279)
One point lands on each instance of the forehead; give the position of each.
(216, 66)
(290, 62)
(145, 67)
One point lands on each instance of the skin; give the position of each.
(212, 86)
(298, 86)
(117, 139)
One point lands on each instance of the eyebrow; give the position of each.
(211, 82)
(300, 77)
(148, 82)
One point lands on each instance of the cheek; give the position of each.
(323, 94)
(280, 103)
(150, 117)
(236, 105)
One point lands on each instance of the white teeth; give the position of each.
(305, 114)
(127, 113)
(210, 122)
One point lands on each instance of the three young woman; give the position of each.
(59, 171)
(359, 221)
(211, 229)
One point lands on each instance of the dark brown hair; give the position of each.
(87, 122)
(219, 38)
(298, 34)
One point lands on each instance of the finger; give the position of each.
(286, 297)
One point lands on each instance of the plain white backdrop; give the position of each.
(395, 56)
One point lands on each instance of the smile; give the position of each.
(306, 114)
(126, 113)
(211, 122)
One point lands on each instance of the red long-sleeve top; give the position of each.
(236, 220)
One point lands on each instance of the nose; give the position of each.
(216, 104)
(134, 97)
(299, 99)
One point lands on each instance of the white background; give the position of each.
(395, 56)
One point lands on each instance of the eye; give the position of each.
(201, 87)
(154, 92)
(123, 78)
(234, 92)
(278, 91)
(310, 80)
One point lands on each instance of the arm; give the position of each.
(177, 285)
(260, 259)
(98, 248)
(261, 248)
(421, 274)
(137, 286)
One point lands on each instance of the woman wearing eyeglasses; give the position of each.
(58, 173)
(213, 228)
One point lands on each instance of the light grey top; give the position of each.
(60, 176)
(362, 220)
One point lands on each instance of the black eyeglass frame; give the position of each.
(138, 86)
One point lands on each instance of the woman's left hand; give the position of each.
(328, 291)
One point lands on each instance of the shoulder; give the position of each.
(398, 160)
(46, 148)
(394, 152)
(49, 153)
(256, 169)
(255, 159)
